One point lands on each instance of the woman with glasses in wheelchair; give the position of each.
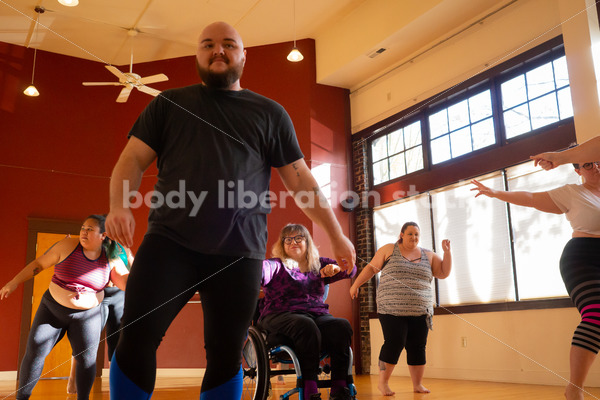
(293, 286)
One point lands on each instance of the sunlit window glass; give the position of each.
(537, 98)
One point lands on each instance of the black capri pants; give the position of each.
(163, 278)
(403, 332)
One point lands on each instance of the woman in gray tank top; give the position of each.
(405, 301)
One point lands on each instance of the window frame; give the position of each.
(491, 79)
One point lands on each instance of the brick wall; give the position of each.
(364, 247)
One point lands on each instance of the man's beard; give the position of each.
(222, 80)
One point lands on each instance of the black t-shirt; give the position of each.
(215, 152)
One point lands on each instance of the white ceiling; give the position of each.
(98, 29)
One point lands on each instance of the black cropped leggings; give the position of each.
(50, 324)
(164, 276)
(580, 270)
(403, 332)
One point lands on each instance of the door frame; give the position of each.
(35, 226)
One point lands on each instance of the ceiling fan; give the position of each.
(130, 79)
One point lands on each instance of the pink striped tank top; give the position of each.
(79, 274)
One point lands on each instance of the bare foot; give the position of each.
(71, 387)
(572, 392)
(421, 389)
(385, 389)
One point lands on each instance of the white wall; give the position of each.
(517, 346)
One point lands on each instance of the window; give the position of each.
(462, 128)
(530, 93)
(486, 267)
(398, 153)
(536, 98)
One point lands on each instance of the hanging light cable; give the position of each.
(31, 89)
(295, 54)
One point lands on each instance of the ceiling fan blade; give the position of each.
(154, 78)
(124, 95)
(115, 71)
(101, 83)
(149, 90)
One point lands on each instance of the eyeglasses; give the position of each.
(298, 239)
(590, 165)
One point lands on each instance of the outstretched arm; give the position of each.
(540, 200)
(48, 259)
(126, 176)
(588, 151)
(300, 182)
(371, 269)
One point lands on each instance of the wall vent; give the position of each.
(377, 52)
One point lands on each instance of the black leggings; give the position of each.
(310, 334)
(51, 321)
(399, 333)
(112, 313)
(580, 270)
(164, 276)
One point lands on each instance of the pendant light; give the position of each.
(295, 54)
(69, 3)
(31, 89)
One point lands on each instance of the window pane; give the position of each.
(397, 167)
(458, 115)
(414, 159)
(379, 148)
(516, 121)
(513, 92)
(481, 271)
(438, 123)
(539, 237)
(395, 142)
(480, 106)
(540, 81)
(544, 111)
(412, 134)
(461, 142)
(440, 149)
(388, 220)
(565, 105)
(561, 74)
(483, 134)
(380, 172)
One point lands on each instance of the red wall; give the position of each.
(57, 152)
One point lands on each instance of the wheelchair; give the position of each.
(260, 352)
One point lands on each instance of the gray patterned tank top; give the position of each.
(405, 287)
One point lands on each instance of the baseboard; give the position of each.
(8, 376)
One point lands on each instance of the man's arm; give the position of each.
(300, 182)
(127, 174)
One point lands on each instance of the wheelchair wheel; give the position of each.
(255, 363)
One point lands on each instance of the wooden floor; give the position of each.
(188, 388)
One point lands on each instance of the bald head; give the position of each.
(221, 30)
